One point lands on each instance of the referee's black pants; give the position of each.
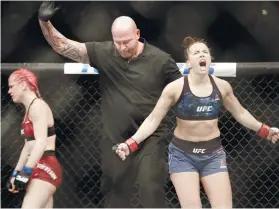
(146, 166)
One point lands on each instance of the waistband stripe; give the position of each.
(201, 147)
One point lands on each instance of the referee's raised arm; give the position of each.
(62, 45)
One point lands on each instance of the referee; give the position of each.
(133, 74)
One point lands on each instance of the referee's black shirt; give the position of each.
(129, 89)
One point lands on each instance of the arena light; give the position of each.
(261, 20)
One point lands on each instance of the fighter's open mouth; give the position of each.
(202, 63)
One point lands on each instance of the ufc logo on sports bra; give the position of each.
(198, 150)
(204, 108)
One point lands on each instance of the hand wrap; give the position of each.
(264, 130)
(132, 144)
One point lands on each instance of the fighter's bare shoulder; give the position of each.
(40, 102)
(175, 87)
(223, 85)
(39, 106)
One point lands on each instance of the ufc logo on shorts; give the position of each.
(22, 179)
(198, 150)
(204, 108)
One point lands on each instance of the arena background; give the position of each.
(237, 32)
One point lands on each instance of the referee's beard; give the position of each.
(130, 53)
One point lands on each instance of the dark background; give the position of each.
(236, 31)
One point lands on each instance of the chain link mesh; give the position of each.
(75, 100)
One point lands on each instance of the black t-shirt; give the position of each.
(129, 89)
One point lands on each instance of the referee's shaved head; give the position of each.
(125, 35)
(123, 24)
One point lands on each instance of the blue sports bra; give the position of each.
(191, 107)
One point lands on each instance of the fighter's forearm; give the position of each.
(247, 120)
(36, 154)
(148, 127)
(23, 158)
(62, 45)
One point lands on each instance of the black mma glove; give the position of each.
(47, 10)
(9, 184)
(22, 178)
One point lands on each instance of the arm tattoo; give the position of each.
(66, 47)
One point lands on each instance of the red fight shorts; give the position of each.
(48, 169)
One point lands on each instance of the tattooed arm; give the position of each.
(62, 45)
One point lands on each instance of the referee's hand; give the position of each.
(122, 150)
(47, 10)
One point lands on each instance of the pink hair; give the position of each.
(28, 76)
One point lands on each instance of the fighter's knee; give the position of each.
(196, 204)
(221, 205)
(221, 201)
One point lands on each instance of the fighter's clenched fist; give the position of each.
(124, 149)
(273, 135)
